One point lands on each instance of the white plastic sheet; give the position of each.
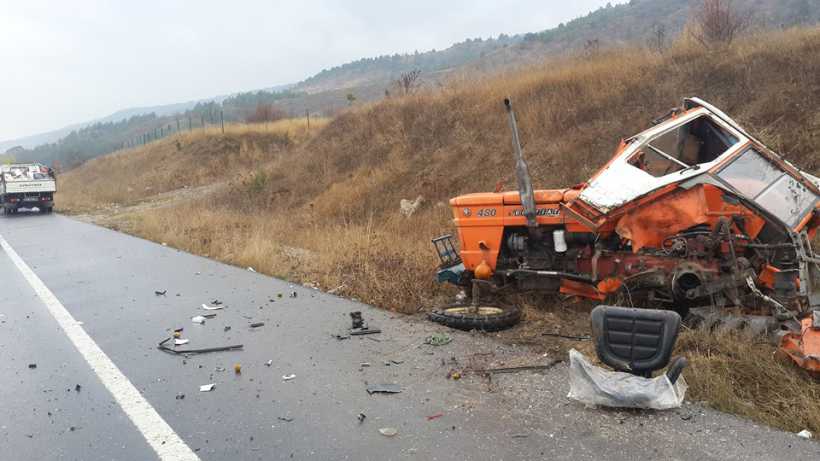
(593, 385)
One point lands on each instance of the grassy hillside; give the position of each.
(323, 207)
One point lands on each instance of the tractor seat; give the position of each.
(637, 341)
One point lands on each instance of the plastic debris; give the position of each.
(227, 328)
(211, 308)
(257, 324)
(269, 363)
(237, 368)
(251, 269)
(177, 334)
(365, 331)
(207, 387)
(216, 302)
(77, 388)
(383, 389)
(181, 342)
(435, 416)
(32, 365)
(438, 339)
(593, 385)
(161, 346)
(804, 434)
(388, 431)
(288, 377)
(180, 396)
(160, 293)
(361, 417)
(454, 375)
(286, 419)
(198, 319)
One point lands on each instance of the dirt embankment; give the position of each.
(322, 207)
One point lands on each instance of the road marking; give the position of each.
(168, 445)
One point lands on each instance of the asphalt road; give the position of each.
(106, 281)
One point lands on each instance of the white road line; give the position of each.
(168, 445)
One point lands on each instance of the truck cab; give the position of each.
(27, 185)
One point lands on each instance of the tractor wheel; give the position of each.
(487, 318)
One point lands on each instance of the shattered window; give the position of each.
(699, 141)
(764, 182)
(750, 173)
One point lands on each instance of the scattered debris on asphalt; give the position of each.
(286, 419)
(251, 269)
(368, 331)
(32, 365)
(288, 377)
(207, 387)
(181, 342)
(521, 368)
(161, 346)
(438, 339)
(435, 416)
(227, 328)
(341, 337)
(180, 396)
(77, 388)
(269, 363)
(361, 417)
(383, 389)
(572, 337)
(454, 375)
(198, 319)
(257, 324)
(237, 368)
(216, 302)
(211, 308)
(160, 293)
(292, 294)
(388, 431)
(804, 434)
(357, 320)
(519, 436)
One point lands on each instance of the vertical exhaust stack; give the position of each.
(522, 173)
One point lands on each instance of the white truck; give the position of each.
(27, 185)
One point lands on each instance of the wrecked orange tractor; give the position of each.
(694, 214)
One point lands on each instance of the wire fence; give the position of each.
(180, 124)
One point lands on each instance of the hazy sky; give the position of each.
(64, 62)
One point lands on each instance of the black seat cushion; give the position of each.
(637, 341)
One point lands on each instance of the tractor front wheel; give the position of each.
(484, 318)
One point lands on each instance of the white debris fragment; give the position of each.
(180, 342)
(251, 269)
(198, 319)
(207, 387)
(408, 207)
(211, 308)
(269, 363)
(288, 377)
(388, 431)
(804, 434)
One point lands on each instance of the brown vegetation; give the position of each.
(325, 209)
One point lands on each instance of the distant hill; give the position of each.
(371, 78)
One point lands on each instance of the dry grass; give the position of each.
(323, 207)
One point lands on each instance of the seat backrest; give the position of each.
(638, 341)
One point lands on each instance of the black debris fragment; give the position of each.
(257, 324)
(383, 389)
(160, 293)
(180, 397)
(356, 318)
(32, 365)
(285, 419)
(77, 388)
(161, 346)
(227, 328)
(369, 331)
(216, 302)
(361, 417)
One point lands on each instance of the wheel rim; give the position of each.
(469, 310)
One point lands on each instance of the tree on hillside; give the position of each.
(657, 38)
(409, 81)
(265, 113)
(717, 22)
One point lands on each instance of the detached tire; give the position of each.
(488, 318)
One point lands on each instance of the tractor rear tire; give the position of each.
(488, 318)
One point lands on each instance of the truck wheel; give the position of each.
(487, 318)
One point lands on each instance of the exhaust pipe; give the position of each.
(522, 173)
